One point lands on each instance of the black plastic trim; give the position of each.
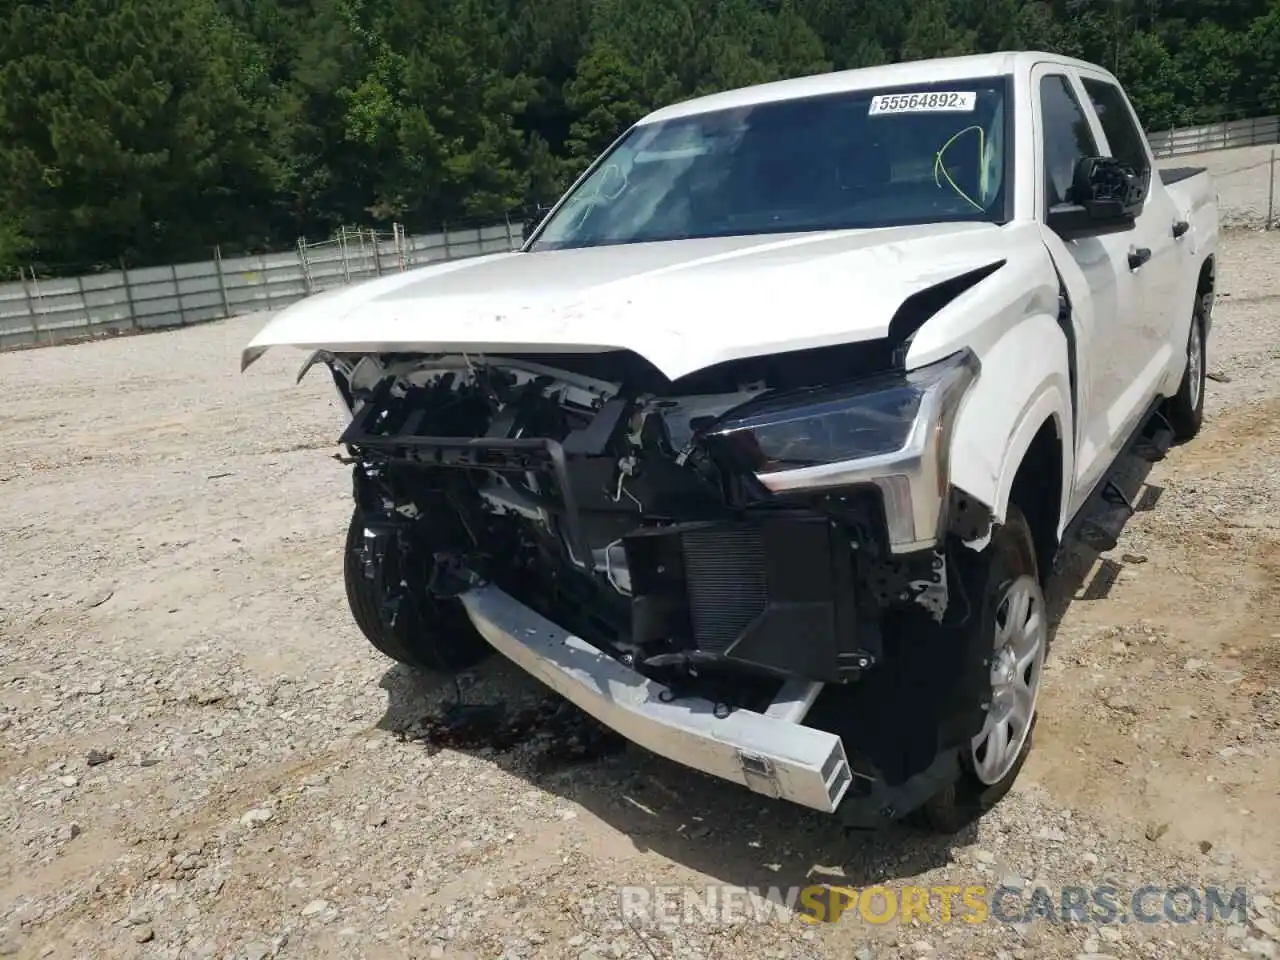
(1171, 175)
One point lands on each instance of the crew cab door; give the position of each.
(1152, 236)
(1106, 278)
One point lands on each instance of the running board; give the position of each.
(1123, 491)
(1101, 531)
(1154, 447)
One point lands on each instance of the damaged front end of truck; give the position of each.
(747, 570)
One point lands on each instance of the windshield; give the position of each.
(873, 158)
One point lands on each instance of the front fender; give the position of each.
(1023, 383)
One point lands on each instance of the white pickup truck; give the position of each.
(762, 446)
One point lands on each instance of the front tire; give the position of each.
(1185, 409)
(1015, 628)
(425, 633)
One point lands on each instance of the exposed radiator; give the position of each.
(775, 593)
(726, 581)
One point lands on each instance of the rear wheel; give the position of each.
(1015, 625)
(420, 631)
(1185, 409)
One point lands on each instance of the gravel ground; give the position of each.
(201, 757)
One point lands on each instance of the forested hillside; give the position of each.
(152, 129)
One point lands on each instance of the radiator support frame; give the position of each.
(777, 593)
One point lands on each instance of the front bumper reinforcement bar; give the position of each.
(770, 754)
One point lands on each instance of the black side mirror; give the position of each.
(1106, 196)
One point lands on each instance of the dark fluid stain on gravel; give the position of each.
(556, 733)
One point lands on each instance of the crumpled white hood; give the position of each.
(682, 305)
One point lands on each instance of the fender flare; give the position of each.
(1024, 383)
(1050, 406)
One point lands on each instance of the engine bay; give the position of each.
(621, 513)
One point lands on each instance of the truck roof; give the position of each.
(865, 78)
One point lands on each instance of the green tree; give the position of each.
(439, 111)
(932, 32)
(130, 127)
(327, 176)
(1205, 74)
(156, 128)
(608, 95)
(1150, 78)
(1260, 63)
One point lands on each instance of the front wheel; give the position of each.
(1015, 625)
(415, 628)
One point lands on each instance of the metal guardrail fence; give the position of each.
(125, 301)
(1256, 131)
(36, 311)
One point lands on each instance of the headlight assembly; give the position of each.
(825, 426)
(891, 430)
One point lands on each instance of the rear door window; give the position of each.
(1127, 143)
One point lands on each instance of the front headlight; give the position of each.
(887, 416)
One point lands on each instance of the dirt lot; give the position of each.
(200, 756)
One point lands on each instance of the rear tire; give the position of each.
(1185, 409)
(987, 774)
(427, 633)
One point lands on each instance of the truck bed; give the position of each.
(1192, 190)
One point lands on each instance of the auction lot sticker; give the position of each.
(936, 101)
